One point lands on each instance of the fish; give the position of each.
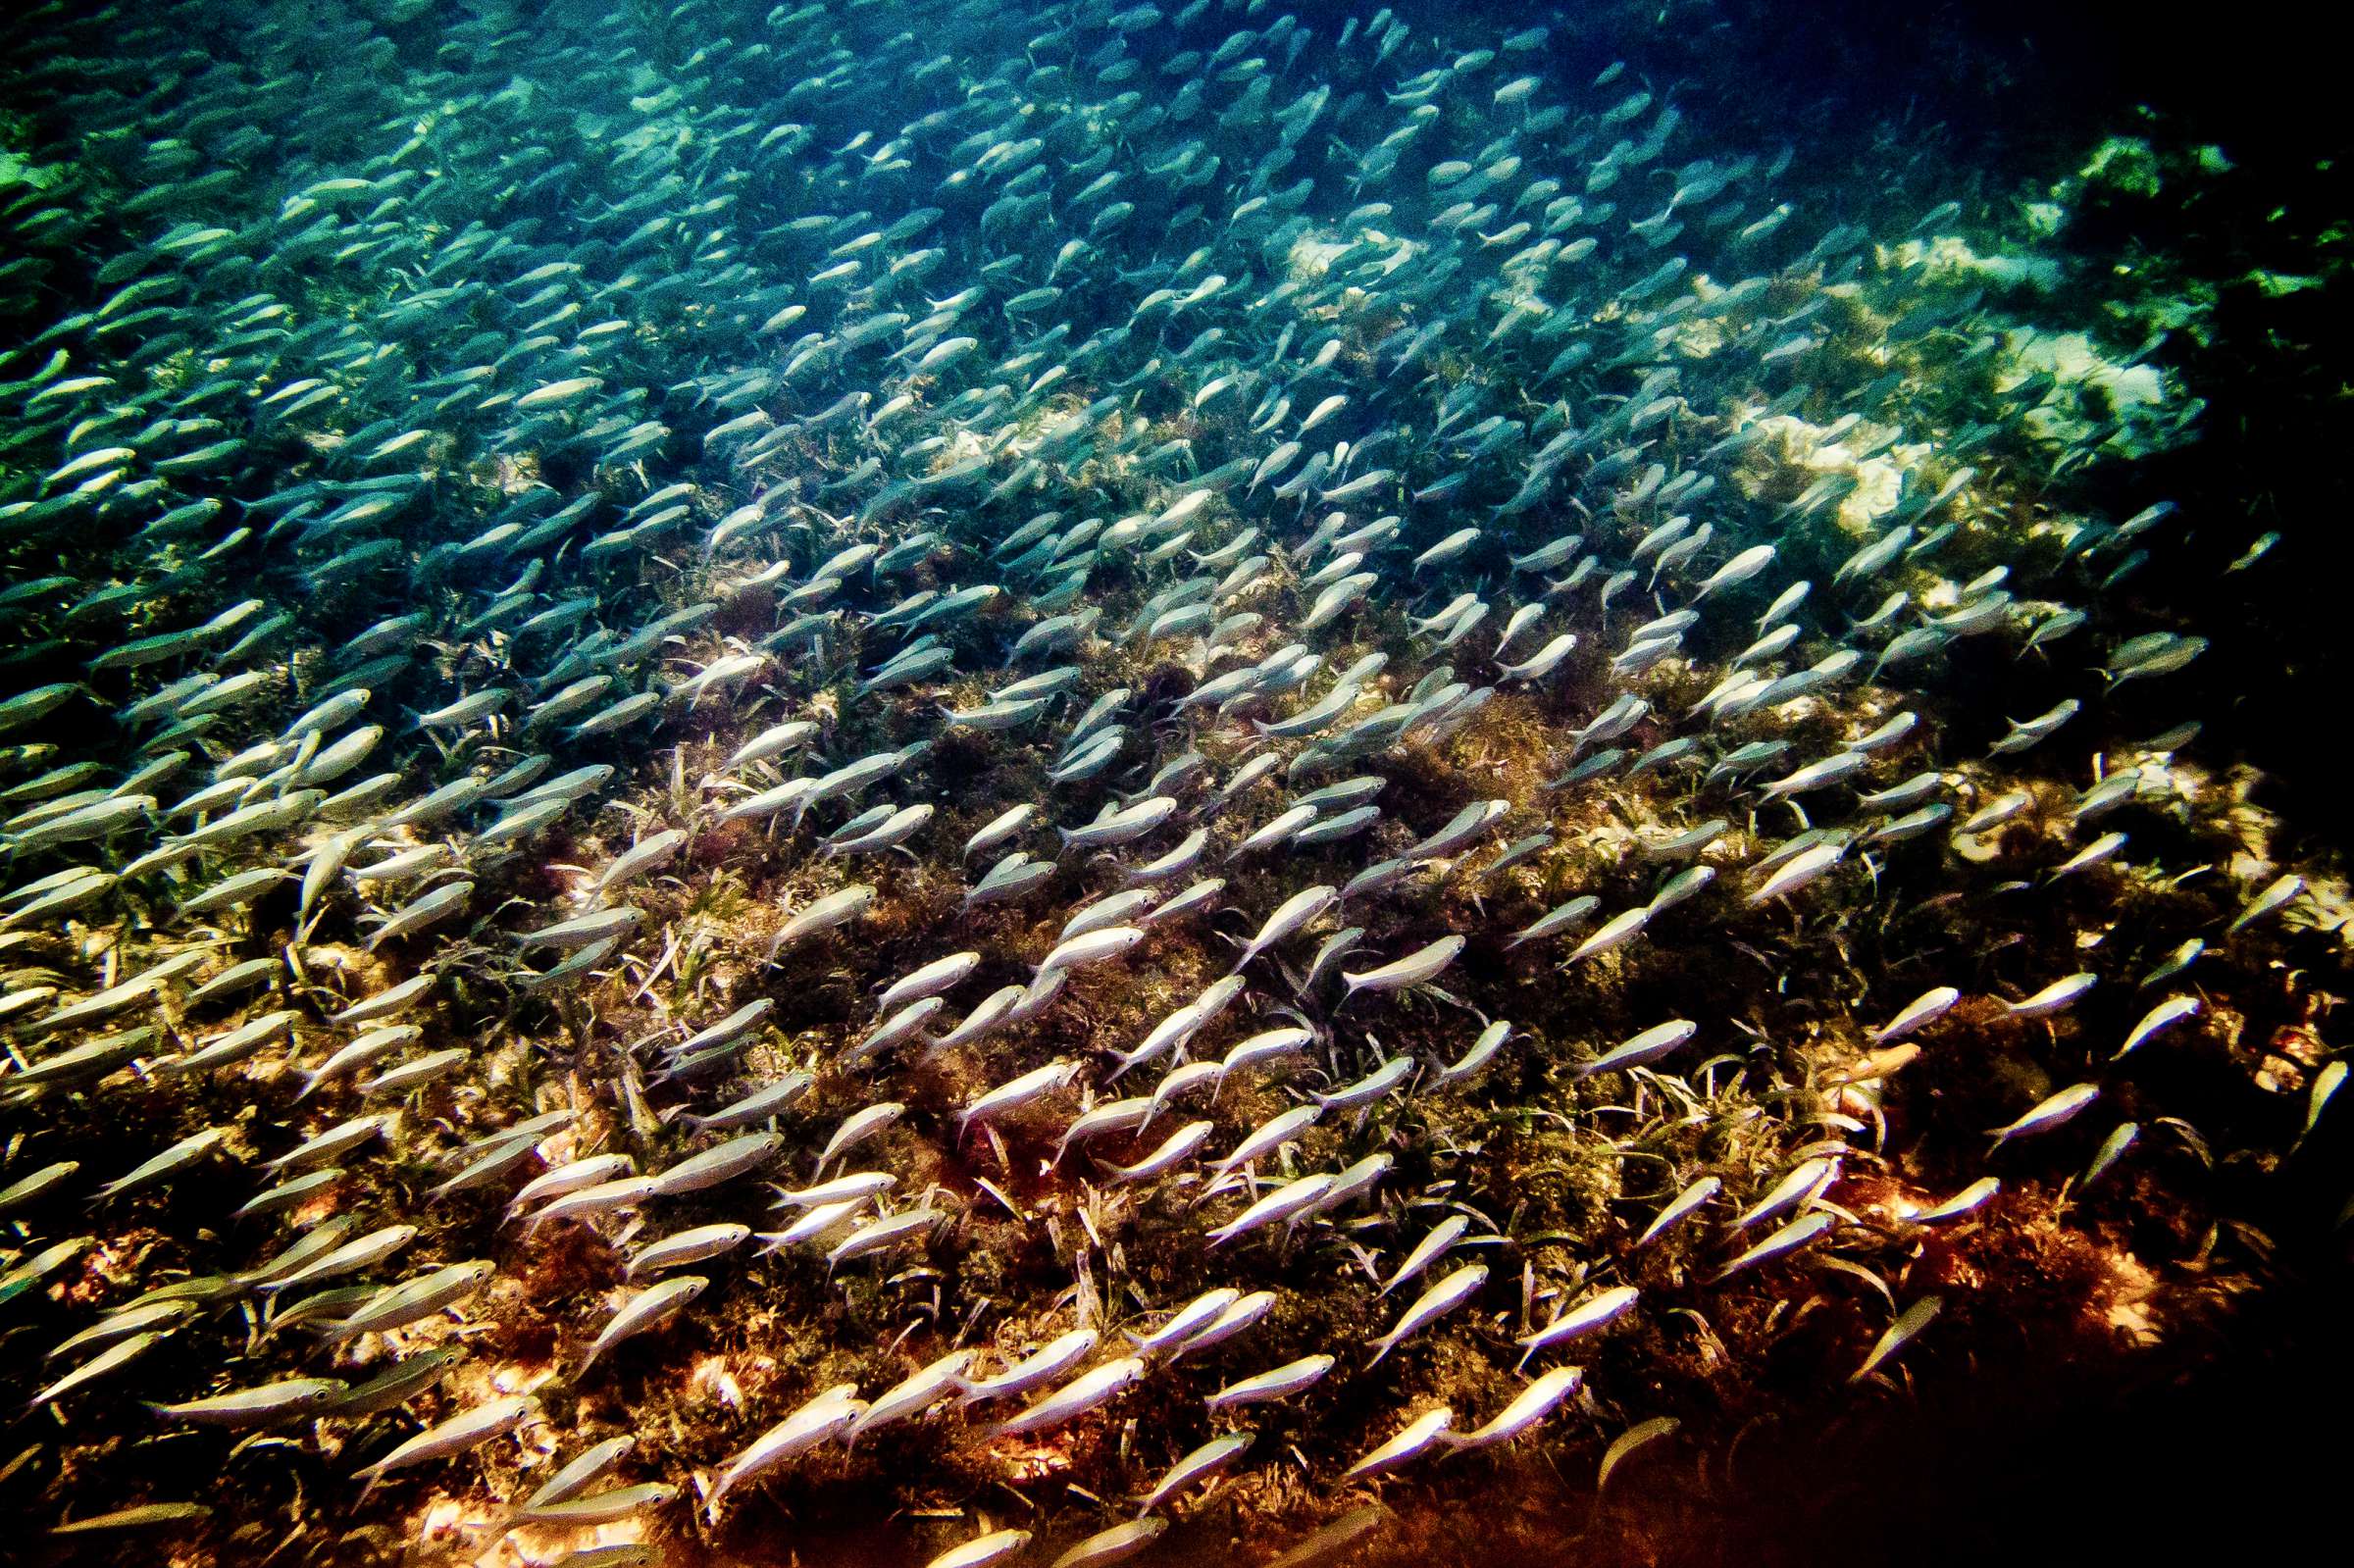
(815, 1422)
(1967, 1201)
(1017, 1093)
(1441, 1299)
(413, 1300)
(2059, 996)
(468, 1429)
(1650, 1045)
(1277, 1129)
(260, 1405)
(1797, 871)
(1630, 1441)
(1295, 914)
(913, 1395)
(2159, 1019)
(1907, 1327)
(834, 909)
(726, 1162)
(1415, 1438)
(647, 1310)
(1602, 1308)
(1076, 1398)
(1419, 968)
(1115, 1544)
(2113, 1148)
(1203, 1463)
(1288, 1202)
(2053, 1111)
(1800, 1184)
(1544, 1394)
(1617, 931)
(1916, 1014)
(1789, 1239)
(2277, 895)
(1681, 1207)
(983, 1551)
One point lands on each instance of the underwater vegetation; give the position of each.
(935, 784)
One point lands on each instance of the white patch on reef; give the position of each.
(1949, 259)
(2139, 395)
(1940, 594)
(1698, 337)
(1311, 255)
(1879, 479)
